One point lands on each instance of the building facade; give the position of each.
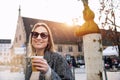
(5, 56)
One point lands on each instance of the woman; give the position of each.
(53, 66)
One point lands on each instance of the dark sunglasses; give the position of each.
(43, 35)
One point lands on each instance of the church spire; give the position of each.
(19, 10)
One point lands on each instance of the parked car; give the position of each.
(119, 66)
(80, 62)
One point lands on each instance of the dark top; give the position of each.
(60, 69)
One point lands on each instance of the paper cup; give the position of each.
(32, 58)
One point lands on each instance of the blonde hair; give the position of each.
(50, 45)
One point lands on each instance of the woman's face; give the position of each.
(39, 38)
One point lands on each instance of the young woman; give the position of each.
(53, 66)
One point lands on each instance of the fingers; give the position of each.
(40, 65)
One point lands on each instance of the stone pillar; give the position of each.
(93, 56)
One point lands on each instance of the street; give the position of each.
(79, 75)
(7, 75)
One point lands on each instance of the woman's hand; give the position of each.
(40, 64)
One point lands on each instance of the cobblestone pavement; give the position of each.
(6, 75)
(81, 75)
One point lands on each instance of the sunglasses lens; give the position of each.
(35, 34)
(42, 35)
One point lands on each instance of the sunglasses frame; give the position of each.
(35, 35)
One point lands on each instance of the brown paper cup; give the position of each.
(33, 57)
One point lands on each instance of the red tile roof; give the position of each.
(63, 33)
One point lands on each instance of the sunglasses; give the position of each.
(43, 35)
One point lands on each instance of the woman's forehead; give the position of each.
(40, 28)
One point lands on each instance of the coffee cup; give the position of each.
(32, 58)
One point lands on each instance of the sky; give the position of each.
(54, 10)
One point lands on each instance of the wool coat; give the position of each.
(60, 69)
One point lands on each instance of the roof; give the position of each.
(5, 41)
(62, 33)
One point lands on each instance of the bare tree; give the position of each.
(109, 19)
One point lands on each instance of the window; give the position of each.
(19, 37)
(70, 49)
(59, 48)
(79, 47)
(16, 40)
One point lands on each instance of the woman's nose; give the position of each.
(39, 37)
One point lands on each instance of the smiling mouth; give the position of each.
(39, 43)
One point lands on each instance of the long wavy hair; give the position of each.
(50, 45)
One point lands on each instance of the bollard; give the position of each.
(92, 45)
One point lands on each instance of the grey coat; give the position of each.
(59, 66)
